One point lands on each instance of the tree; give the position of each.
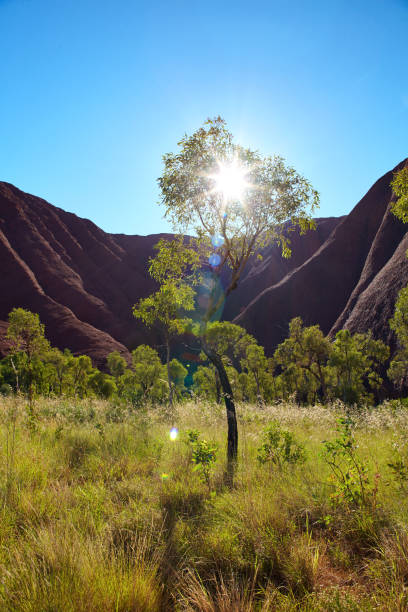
(116, 364)
(206, 384)
(26, 335)
(355, 360)
(399, 186)
(235, 202)
(178, 374)
(305, 353)
(60, 363)
(81, 368)
(397, 371)
(102, 384)
(148, 372)
(162, 309)
(256, 364)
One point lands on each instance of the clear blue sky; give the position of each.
(93, 93)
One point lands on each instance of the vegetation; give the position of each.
(400, 188)
(235, 202)
(101, 510)
(111, 501)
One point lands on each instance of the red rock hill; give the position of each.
(351, 281)
(83, 281)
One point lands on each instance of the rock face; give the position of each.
(83, 282)
(351, 281)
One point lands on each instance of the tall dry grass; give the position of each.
(100, 510)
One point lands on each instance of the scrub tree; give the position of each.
(165, 308)
(399, 186)
(26, 335)
(234, 202)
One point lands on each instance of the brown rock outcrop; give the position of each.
(351, 281)
(83, 281)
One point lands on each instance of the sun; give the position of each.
(230, 180)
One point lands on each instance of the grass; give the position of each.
(100, 510)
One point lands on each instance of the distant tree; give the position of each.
(178, 374)
(148, 372)
(256, 364)
(304, 355)
(235, 202)
(81, 368)
(205, 383)
(355, 360)
(26, 335)
(398, 369)
(163, 309)
(60, 363)
(399, 186)
(102, 384)
(116, 364)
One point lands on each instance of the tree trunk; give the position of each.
(232, 444)
(217, 387)
(16, 375)
(322, 382)
(259, 398)
(168, 373)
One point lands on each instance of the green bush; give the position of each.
(279, 447)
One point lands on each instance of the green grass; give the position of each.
(100, 510)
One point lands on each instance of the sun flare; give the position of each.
(230, 180)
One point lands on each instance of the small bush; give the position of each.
(350, 479)
(279, 447)
(6, 389)
(204, 455)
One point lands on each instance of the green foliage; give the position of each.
(350, 476)
(102, 384)
(303, 359)
(149, 373)
(6, 389)
(399, 324)
(116, 364)
(225, 338)
(164, 308)
(26, 333)
(398, 462)
(205, 383)
(355, 361)
(177, 374)
(399, 186)
(280, 447)
(204, 454)
(103, 513)
(191, 202)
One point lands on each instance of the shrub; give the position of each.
(279, 446)
(349, 474)
(203, 455)
(6, 389)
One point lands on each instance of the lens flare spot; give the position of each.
(217, 241)
(164, 476)
(173, 433)
(214, 260)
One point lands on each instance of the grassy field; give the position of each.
(101, 510)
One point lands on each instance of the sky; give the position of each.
(93, 93)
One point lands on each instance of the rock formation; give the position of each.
(83, 281)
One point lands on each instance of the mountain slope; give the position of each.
(351, 281)
(82, 281)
